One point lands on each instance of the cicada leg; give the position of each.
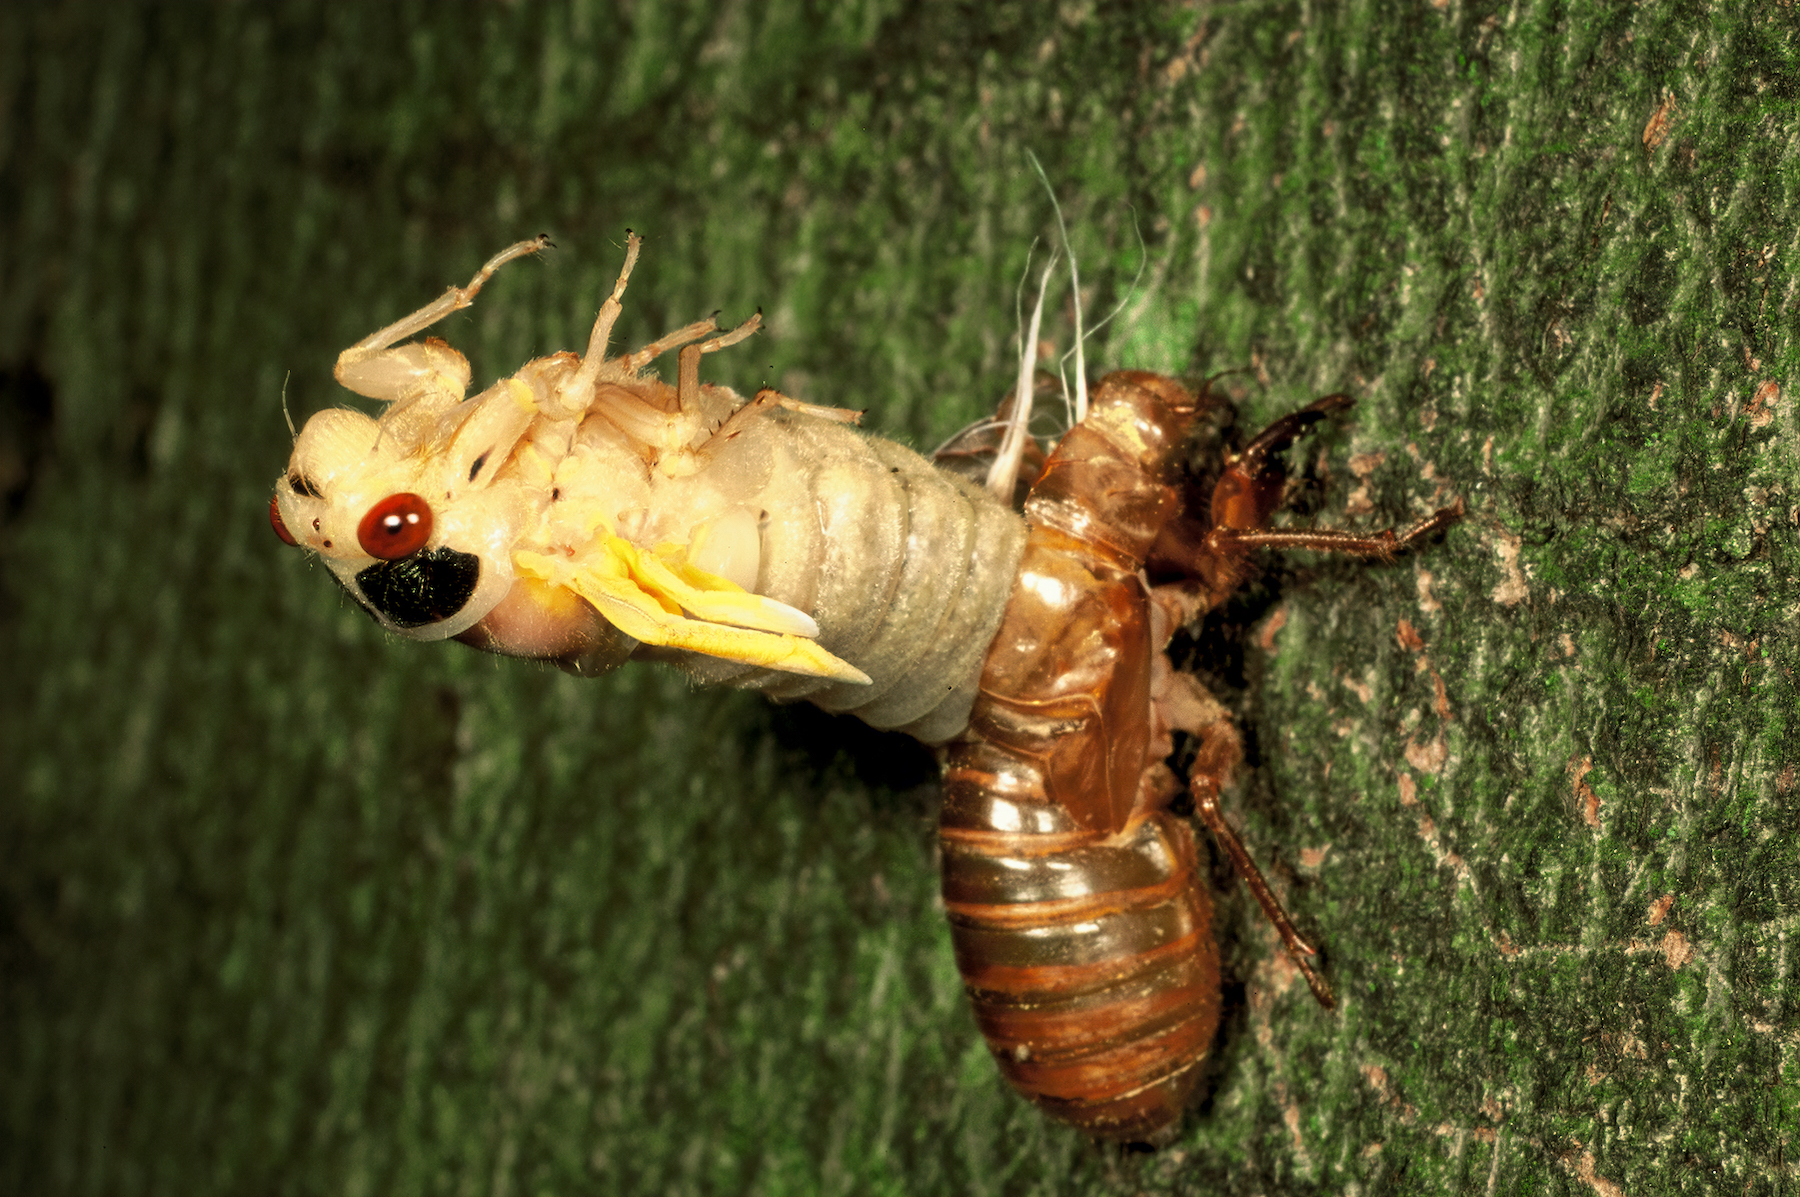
(375, 368)
(1180, 703)
(1250, 490)
(769, 398)
(1246, 495)
(1384, 545)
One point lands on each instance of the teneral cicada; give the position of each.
(586, 513)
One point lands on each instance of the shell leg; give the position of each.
(1180, 703)
(1250, 491)
(1213, 562)
(1384, 545)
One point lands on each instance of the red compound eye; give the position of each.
(275, 523)
(396, 527)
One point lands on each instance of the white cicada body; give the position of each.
(582, 513)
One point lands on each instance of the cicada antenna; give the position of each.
(1062, 231)
(1019, 291)
(1079, 404)
(1004, 473)
(1143, 264)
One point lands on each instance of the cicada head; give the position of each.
(411, 513)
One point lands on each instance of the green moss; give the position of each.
(291, 906)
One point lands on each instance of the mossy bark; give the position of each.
(288, 906)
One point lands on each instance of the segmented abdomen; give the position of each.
(1081, 933)
(905, 567)
(1089, 960)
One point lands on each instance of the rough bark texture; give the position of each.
(289, 907)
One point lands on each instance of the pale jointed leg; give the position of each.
(372, 368)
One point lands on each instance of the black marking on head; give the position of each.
(475, 466)
(425, 588)
(302, 485)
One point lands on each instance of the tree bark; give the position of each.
(289, 906)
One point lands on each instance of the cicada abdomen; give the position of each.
(1089, 960)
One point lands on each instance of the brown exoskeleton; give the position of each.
(1082, 932)
(584, 513)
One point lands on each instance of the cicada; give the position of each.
(585, 512)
